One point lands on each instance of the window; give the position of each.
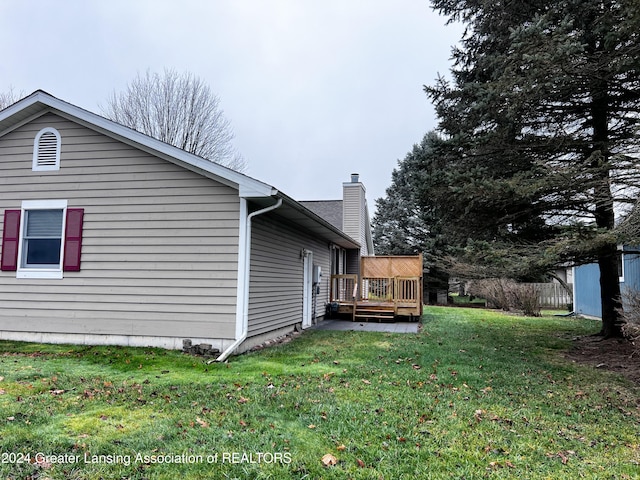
(46, 150)
(42, 240)
(40, 249)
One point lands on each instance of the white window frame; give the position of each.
(621, 260)
(36, 167)
(54, 272)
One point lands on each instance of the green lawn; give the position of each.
(477, 394)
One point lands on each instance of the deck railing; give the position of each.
(407, 289)
(377, 289)
(344, 288)
(400, 295)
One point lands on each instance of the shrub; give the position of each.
(506, 294)
(631, 314)
(526, 297)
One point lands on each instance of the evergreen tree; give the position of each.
(541, 121)
(406, 222)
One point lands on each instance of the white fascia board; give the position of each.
(20, 105)
(248, 190)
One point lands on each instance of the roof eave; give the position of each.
(336, 235)
(40, 102)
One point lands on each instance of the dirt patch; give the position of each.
(617, 355)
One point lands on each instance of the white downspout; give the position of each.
(242, 319)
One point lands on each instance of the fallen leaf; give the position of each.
(243, 400)
(312, 426)
(564, 456)
(202, 423)
(329, 460)
(340, 448)
(2, 391)
(366, 382)
(360, 463)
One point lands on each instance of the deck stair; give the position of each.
(372, 311)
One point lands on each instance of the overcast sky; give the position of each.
(314, 89)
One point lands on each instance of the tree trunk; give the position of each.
(612, 321)
(604, 213)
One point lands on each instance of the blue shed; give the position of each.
(586, 282)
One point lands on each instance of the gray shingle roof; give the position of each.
(329, 210)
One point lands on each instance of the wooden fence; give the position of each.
(553, 295)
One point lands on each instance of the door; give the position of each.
(307, 294)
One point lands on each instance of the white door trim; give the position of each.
(307, 289)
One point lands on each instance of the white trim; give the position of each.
(44, 204)
(244, 275)
(307, 288)
(29, 106)
(241, 295)
(621, 260)
(45, 273)
(36, 166)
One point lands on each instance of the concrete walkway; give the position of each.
(395, 327)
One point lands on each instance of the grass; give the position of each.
(477, 394)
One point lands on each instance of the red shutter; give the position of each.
(10, 240)
(73, 240)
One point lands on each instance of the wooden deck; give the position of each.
(388, 287)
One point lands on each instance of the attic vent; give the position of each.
(46, 150)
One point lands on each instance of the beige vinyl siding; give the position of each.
(276, 282)
(354, 214)
(160, 243)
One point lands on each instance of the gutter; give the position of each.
(242, 319)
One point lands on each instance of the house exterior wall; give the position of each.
(586, 290)
(631, 273)
(586, 281)
(160, 244)
(277, 280)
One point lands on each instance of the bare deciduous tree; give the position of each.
(9, 97)
(178, 109)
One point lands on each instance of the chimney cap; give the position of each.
(355, 177)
